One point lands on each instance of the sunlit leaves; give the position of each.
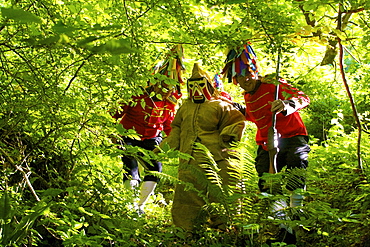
(340, 34)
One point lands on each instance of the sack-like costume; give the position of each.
(206, 122)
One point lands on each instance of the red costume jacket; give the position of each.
(258, 110)
(148, 121)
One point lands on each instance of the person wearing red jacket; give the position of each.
(148, 116)
(293, 136)
(260, 104)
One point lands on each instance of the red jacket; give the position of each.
(258, 110)
(148, 121)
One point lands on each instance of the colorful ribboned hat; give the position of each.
(240, 62)
(172, 66)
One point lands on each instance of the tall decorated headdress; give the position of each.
(172, 67)
(199, 85)
(240, 61)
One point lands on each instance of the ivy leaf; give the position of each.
(20, 15)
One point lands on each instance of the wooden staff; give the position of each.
(272, 138)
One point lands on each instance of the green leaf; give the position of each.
(143, 104)
(19, 15)
(5, 208)
(152, 94)
(351, 220)
(61, 28)
(340, 34)
(120, 129)
(82, 210)
(5, 218)
(235, 1)
(52, 192)
(87, 40)
(110, 27)
(27, 222)
(49, 40)
(159, 96)
(117, 46)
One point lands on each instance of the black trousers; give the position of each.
(293, 153)
(132, 165)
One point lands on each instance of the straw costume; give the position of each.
(202, 120)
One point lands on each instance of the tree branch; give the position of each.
(353, 105)
(76, 73)
(19, 168)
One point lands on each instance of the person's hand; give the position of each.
(277, 106)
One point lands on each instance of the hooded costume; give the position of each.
(201, 120)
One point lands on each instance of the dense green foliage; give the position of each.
(66, 64)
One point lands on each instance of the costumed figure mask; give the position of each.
(199, 87)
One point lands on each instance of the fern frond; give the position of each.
(243, 182)
(209, 165)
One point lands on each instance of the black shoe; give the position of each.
(283, 236)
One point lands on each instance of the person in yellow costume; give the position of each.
(203, 120)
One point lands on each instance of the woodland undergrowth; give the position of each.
(41, 205)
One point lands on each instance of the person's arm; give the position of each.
(232, 126)
(170, 117)
(291, 100)
(173, 139)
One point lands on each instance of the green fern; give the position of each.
(235, 200)
(15, 231)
